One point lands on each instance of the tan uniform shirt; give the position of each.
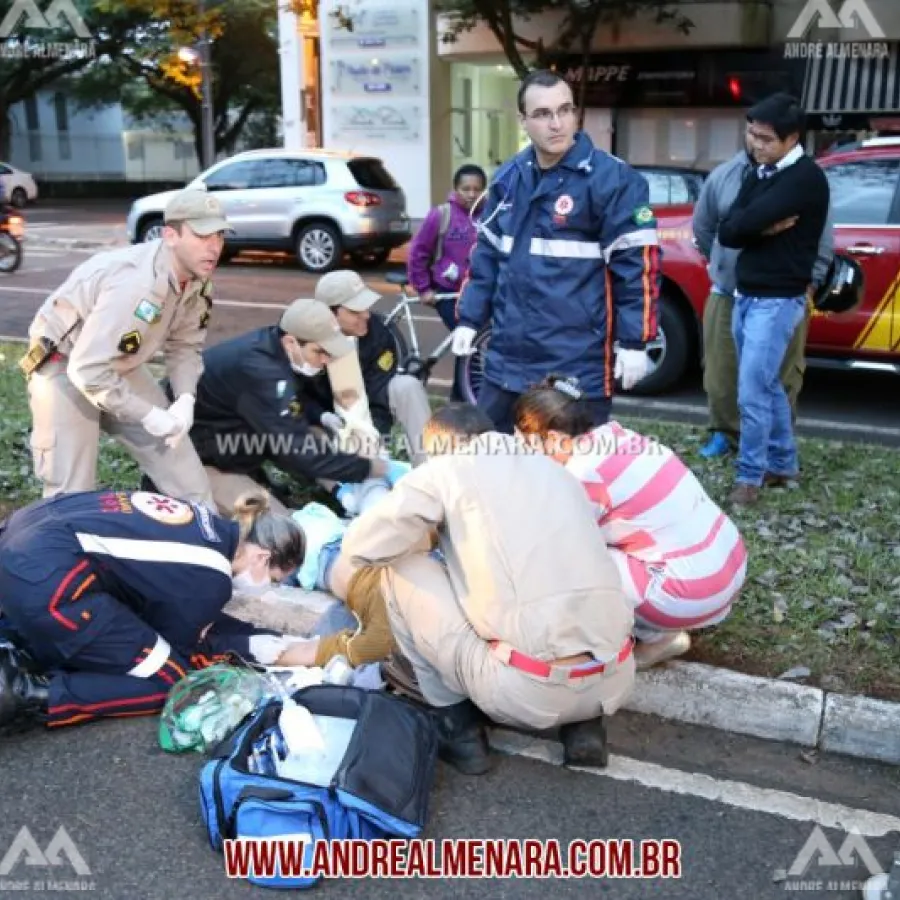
(126, 306)
(524, 554)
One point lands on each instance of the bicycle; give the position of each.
(469, 370)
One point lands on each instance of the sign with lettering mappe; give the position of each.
(710, 78)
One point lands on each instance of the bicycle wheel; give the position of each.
(10, 253)
(470, 369)
(401, 350)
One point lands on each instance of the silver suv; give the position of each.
(317, 204)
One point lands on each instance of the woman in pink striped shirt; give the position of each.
(682, 560)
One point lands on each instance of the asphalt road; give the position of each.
(133, 814)
(251, 290)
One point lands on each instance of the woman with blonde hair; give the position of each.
(110, 597)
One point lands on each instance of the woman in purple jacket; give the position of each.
(429, 275)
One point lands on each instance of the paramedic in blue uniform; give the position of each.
(567, 263)
(110, 597)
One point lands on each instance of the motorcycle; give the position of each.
(12, 232)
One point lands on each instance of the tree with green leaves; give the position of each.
(34, 57)
(158, 71)
(579, 21)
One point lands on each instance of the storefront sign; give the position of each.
(397, 76)
(357, 123)
(380, 26)
(701, 78)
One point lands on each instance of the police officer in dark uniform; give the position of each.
(255, 403)
(112, 596)
(392, 395)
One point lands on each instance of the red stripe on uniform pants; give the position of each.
(108, 704)
(60, 592)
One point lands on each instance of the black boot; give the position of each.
(584, 743)
(462, 738)
(23, 695)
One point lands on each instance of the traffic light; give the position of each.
(734, 88)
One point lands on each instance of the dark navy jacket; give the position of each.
(567, 263)
(251, 406)
(168, 561)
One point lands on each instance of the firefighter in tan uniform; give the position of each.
(90, 343)
(527, 616)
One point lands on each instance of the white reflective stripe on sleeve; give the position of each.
(155, 660)
(566, 249)
(646, 237)
(503, 243)
(155, 551)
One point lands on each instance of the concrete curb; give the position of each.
(771, 709)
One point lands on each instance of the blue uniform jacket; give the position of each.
(168, 561)
(567, 262)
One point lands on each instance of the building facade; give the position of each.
(56, 140)
(394, 86)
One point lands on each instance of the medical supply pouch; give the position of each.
(206, 706)
(380, 787)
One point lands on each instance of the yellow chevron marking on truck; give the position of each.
(883, 331)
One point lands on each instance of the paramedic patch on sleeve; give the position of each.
(161, 508)
(130, 342)
(386, 361)
(643, 215)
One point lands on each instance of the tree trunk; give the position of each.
(5, 132)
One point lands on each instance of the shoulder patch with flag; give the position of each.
(643, 215)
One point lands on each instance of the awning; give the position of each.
(846, 83)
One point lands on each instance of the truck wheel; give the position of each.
(669, 353)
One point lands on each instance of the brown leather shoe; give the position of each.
(745, 495)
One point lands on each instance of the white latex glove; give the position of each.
(160, 423)
(183, 410)
(462, 340)
(331, 422)
(631, 367)
(357, 433)
(266, 648)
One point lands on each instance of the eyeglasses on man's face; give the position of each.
(542, 115)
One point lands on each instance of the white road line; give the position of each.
(718, 790)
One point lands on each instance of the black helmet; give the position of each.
(843, 288)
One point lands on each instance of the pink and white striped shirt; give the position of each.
(678, 544)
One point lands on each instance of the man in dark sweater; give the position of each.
(776, 221)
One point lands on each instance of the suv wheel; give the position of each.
(150, 229)
(319, 247)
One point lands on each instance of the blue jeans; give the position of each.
(763, 328)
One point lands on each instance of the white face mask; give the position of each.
(246, 580)
(306, 369)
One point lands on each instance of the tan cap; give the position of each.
(345, 288)
(311, 321)
(202, 211)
